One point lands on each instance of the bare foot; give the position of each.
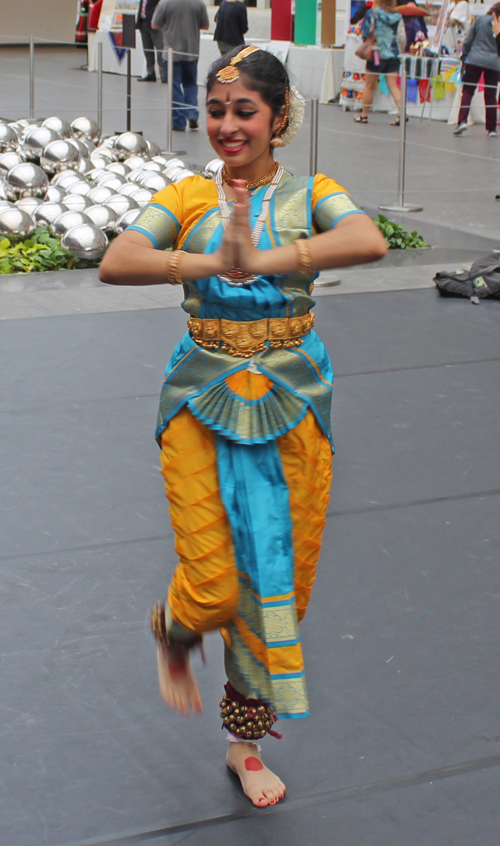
(178, 685)
(261, 785)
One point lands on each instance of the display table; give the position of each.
(318, 70)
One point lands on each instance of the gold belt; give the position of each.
(243, 338)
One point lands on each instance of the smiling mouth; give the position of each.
(233, 145)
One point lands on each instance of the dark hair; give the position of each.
(495, 10)
(264, 73)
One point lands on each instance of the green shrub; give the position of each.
(40, 251)
(396, 236)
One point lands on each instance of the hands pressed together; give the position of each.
(237, 250)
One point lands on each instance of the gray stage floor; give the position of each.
(401, 638)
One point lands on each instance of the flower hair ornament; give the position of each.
(231, 73)
(293, 117)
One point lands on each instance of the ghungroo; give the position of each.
(247, 719)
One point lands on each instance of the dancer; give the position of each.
(244, 418)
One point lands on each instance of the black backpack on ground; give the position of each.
(481, 281)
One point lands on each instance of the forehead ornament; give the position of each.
(231, 73)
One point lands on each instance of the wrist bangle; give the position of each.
(305, 261)
(173, 268)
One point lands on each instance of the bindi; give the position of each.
(253, 764)
(228, 99)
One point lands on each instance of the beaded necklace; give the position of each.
(250, 186)
(236, 276)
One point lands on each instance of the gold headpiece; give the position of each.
(230, 73)
(277, 141)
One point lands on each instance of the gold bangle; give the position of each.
(305, 261)
(173, 269)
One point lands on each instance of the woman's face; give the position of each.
(240, 124)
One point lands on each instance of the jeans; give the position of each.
(185, 91)
(470, 80)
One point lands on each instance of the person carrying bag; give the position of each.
(380, 50)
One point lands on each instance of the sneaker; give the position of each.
(151, 77)
(193, 123)
(492, 134)
(460, 129)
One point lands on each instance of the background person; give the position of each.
(152, 39)
(231, 24)
(386, 30)
(480, 56)
(244, 422)
(181, 21)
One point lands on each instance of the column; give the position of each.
(328, 12)
(281, 20)
(305, 21)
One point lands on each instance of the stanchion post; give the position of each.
(313, 152)
(99, 85)
(401, 206)
(129, 89)
(32, 77)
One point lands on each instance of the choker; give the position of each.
(250, 186)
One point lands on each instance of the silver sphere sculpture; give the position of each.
(59, 155)
(10, 160)
(59, 125)
(36, 140)
(45, 214)
(142, 196)
(54, 194)
(16, 222)
(67, 220)
(212, 167)
(29, 205)
(112, 180)
(154, 181)
(80, 146)
(153, 148)
(129, 188)
(120, 204)
(100, 194)
(81, 187)
(156, 167)
(86, 241)
(9, 139)
(26, 180)
(130, 144)
(76, 202)
(136, 162)
(84, 127)
(181, 174)
(103, 217)
(126, 219)
(84, 166)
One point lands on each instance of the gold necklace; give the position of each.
(250, 186)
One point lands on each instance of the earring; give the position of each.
(276, 142)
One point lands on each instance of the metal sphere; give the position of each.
(182, 174)
(59, 155)
(95, 173)
(80, 146)
(10, 160)
(68, 180)
(98, 161)
(35, 141)
(153, 148)
(58, 178)
(113, 181)
(86, 241)
(156, 167)
(129, 188)
(212, 167)
(142, 196)
(67, 220)
(48, 212)
(76, 202)
(120, 168)
(107, 153)
(6, 204)
(59, 125)
(103, 217)
(120, 204)
(129, 144)
(55, 194)
(84, 127)
(81, 187)
(154, 181)
(9, 139)
(84, 166)
(29, 205)
(26, 180)
(127, 219)
(162, 160)
(109, 140)
(3, 192)
(18, 129)
(16, 222)
(173, 164)
(136, 162)
(100, 194)
(135, 175)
